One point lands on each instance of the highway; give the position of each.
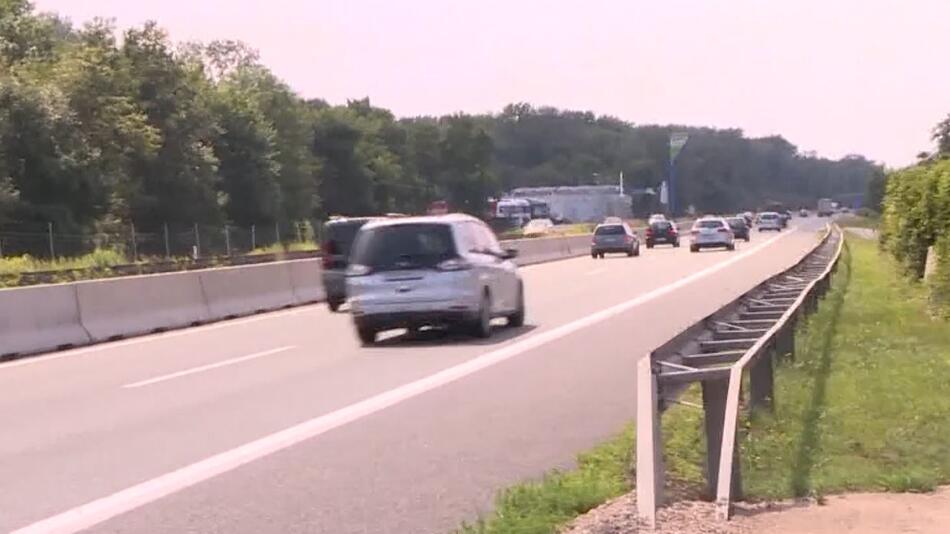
(283, 423)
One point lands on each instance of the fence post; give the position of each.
(762, 382)
(715, 394)
(52, 248)
(168, 250)
(650, 469)
(253, 237)
(227, 241)
(135, 246)
(197, 251)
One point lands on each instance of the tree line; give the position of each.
(916, 217)
(98, 131)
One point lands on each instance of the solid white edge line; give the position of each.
(208, 367)
(105, 508)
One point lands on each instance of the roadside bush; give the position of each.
(917, 216)
(939, 283)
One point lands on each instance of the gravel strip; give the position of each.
(685, 517)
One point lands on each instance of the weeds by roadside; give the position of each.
(866, 403)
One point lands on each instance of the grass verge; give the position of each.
(603, 473)
(866, 403)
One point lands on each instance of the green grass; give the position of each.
(866, 403)
(101, 258)
(539, 507)
(606, 472)
(279, 248)
(859, 221)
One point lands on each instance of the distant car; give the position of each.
(335, 249)
(711, 232)
(656, 217)
(445, 270)
(845, 209)
(614, 238)
(662, 231)
(803, 212)
(536, 227)
(739, 228)
(612, 220)
(770, 220)
(749, 217)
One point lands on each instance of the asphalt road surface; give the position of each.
(283, 423)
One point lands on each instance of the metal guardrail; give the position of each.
(747, 334)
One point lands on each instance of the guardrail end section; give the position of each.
(650, 470)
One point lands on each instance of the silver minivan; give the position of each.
(446, 270)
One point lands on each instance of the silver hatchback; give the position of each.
(446, 270)
(711, 232)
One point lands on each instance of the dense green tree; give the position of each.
(179, 184)
(97, 132)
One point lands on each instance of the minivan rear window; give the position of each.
(712, 223)
(404, 246)
(614, 229)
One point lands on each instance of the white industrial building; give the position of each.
(585, 203)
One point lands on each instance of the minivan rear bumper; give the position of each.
(414, 319)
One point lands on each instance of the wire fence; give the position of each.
(46, 241)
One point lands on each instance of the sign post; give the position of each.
(677, 142)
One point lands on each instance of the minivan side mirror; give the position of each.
(509, 254)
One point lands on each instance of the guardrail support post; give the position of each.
(762, 383)
(650, 469)
(715, 393)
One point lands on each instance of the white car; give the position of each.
(536, 227)
(446, 270)
(711, 232)
(770, 220)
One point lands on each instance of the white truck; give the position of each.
(826, 207)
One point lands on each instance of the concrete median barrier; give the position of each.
(136, 305)
(44, 318)
(40, 318)
(306, 282)
(236, 291)
(539, 250)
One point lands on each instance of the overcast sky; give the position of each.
(834, 76)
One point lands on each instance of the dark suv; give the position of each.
(739, 227)
(340, 233)
(660, 231)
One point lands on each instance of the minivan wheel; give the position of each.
(334, 304)
(516, 319)
(481, 327)
(366, 334)
(731, 247)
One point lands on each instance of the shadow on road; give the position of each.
(449, 336)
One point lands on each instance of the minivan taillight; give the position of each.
(358, 270)
(454, 264)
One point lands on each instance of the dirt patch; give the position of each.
(865, 513)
